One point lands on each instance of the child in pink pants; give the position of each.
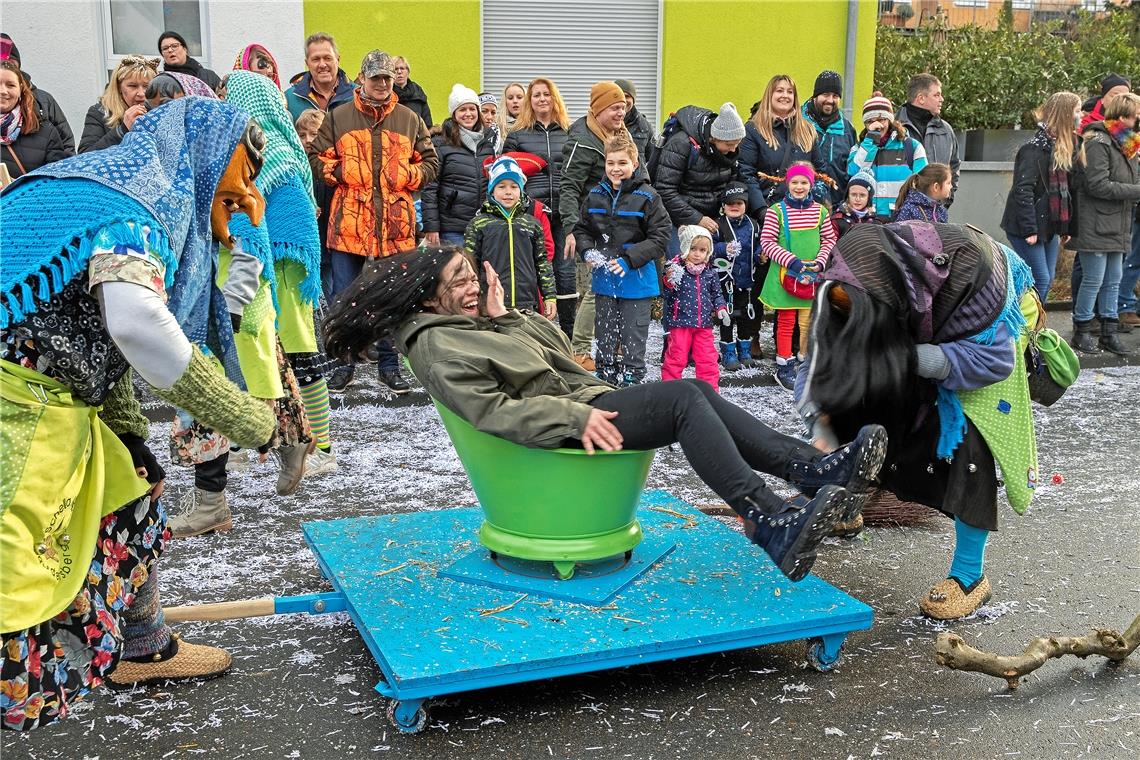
(692, 297)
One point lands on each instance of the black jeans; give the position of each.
(724, 444)
(211, 476)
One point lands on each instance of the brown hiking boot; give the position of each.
(1130, 318)
(203, 511)
(292, 461)
(180, 661)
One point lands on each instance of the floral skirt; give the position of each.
(193, 443)
(45, 668)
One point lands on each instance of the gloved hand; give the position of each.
(594, 258)
(796, 268)
(725, 316)
(732, 247)
(674, 273)
(931, 361)
(143, 458)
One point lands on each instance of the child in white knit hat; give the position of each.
(692, 298)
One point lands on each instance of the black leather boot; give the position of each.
(1110, 338)
(1083, 337)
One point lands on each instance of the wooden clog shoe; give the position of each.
(950, 600)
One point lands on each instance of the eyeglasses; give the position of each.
(170, 47)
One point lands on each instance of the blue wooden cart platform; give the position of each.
(441, 616)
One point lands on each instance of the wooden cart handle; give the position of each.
(245, 608)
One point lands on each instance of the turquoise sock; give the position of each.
(969, 553)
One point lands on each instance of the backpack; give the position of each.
(653, 154)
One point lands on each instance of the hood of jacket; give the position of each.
(411, 93)
(303, 82)
(696, 123)
(413, 325)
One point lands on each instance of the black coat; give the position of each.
(48, 109)
(452, 201)
(757, 156)
(96, 134)
(35, 150)
(195, 69)
(691, 174)
(641, 131)
(1027, 205)
(414, 97)
(547, 143)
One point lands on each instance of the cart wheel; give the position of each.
(628, 555)
(400, 719)
(818, 658)
(494, 556)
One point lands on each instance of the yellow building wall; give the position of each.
(712, 51)
(440, 38)
(715, 51)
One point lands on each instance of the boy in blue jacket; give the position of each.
(742, 267)
(623, 230)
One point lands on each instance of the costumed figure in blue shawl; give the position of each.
(109, 264)
(922, 328)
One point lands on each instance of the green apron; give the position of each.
(63, 471)
(805, 244)
(256, 341)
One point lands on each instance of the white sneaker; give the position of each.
(320, 462)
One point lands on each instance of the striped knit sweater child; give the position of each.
(885, 151)
(798, 236)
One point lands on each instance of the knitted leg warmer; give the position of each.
(316, 398)
(144, 627)
(969, 552)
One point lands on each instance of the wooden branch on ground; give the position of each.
(951, 651)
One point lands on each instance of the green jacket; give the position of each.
(583, 166)
(513, 377)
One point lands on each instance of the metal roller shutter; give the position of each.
(575, 43)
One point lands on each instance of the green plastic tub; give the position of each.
(553, 505)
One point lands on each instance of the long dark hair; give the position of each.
(451, 131)
(387, 292)
(863, 362)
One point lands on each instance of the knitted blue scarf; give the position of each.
(162, 175)
(951, 417)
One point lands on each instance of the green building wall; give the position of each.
(712, 51)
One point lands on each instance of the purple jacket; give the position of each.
(695, 301)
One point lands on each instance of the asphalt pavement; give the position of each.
(302, 687)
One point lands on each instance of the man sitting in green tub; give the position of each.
(512, 374)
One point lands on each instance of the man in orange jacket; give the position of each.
(375, 153)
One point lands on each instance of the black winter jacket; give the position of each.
(1107, 192)
(516, 247)
(629, 222)
(691, 173)
(757, 156)
(96, 134)
(460, 188)
(35, 150)
(1027, 205)
(641, 131)
(414, 97)
(195, 69)
(583, 165)
(547, 143)
(47, 108)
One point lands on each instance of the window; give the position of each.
(972, 3)
(133, 26)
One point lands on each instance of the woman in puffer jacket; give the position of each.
(776, 137)
(454, 198)
(540, 129)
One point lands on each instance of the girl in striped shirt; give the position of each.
(798, 236)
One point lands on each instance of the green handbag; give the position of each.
(1051, 364)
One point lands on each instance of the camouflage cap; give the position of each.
(377, 64)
